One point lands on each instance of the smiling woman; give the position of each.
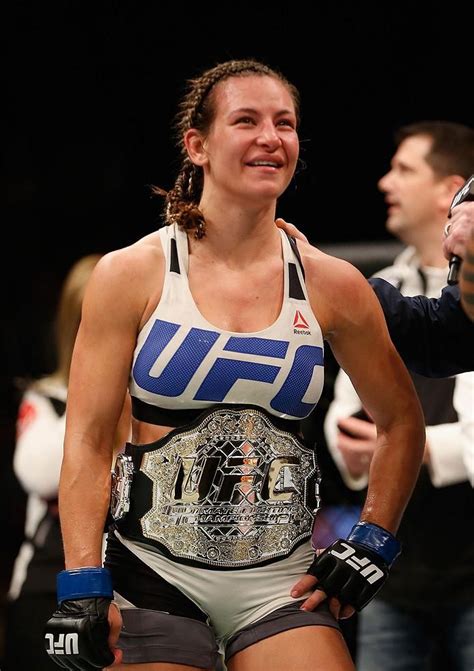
(217, 324)
(256, 128)
(253, 144)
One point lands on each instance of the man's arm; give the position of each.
(459, 240)
(434, 336)
(467, 278)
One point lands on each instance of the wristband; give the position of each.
(375, 538)
(80, 583)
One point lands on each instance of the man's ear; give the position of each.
(194, 144)
(452, 184)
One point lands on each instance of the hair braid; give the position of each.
(197, 110)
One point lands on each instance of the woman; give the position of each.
(37, 462)
(219, 336)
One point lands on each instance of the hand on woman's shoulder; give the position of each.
(337, 290)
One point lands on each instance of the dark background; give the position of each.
(89, 92)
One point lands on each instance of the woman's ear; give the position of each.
(194, 144)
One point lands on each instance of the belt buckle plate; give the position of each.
(122, 477)
(231, 492)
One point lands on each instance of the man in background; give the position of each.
(427, 602)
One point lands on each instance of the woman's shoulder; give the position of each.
(51, 387)
(320, 266)
(337, 289)
(129, 268)
(124, 283)
(136, 257)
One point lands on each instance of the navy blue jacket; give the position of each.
(433, 336)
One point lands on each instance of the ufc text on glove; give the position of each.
(354, 570)
(76, 636)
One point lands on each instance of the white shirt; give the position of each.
(451, 446)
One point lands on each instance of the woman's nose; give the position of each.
(268, 136)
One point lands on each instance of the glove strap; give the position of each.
(81, 583)
(375, 538)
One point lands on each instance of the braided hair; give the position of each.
(197, 110)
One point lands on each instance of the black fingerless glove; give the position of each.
(76, 634)
(354, 570)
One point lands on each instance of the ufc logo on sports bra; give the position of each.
(225, 372)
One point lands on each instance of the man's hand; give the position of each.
(459, 229)
(356, 440)
(291, 229)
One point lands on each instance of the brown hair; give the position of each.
(197, 110)
(68, 316)
(452, 146)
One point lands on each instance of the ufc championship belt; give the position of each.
(228, 491)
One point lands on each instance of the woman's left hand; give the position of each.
(308, 583)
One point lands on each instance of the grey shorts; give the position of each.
(151, 636)
(162, 624)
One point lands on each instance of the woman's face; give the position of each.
(252, 147)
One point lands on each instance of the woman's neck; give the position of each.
(235, 234)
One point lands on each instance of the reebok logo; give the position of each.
(299, 322)
(300, 325)
(67, 644)
(369, 571)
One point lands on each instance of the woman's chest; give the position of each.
(237, 301)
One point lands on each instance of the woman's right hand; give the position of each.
(115, 624)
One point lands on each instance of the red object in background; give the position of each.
(26, 414)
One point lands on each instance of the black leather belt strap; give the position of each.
(152, 414)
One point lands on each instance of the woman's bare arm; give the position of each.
(354, 325)
(99, 375)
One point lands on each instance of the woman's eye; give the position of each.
(245, 119)
(286, 122)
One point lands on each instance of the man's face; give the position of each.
(411, 188)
